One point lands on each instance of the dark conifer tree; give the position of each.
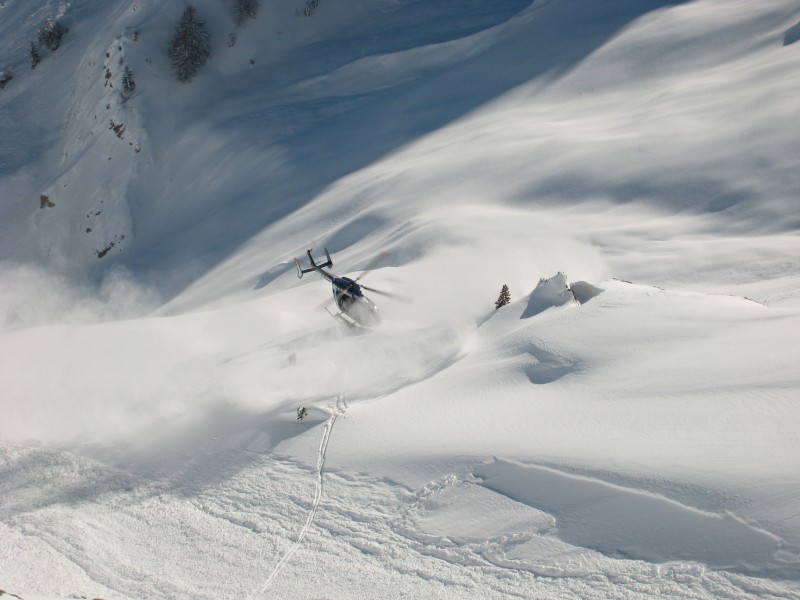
(243, 10)
(51, 33)
(504, 298)
(191, 47)
(128, 84)
(33, 54)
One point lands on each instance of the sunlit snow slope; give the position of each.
(626, 427)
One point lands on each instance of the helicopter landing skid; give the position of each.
(343, 319)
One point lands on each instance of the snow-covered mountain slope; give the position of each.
(625, 427)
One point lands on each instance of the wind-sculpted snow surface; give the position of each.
(625, 522)
(627, 432)
(452, 537)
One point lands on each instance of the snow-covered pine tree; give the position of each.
(34, 56)
(51, 33)
(128, 84)
(191, 47)
(504, 297)
(310, 7)
(243, 10)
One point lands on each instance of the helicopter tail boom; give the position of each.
(315, 266)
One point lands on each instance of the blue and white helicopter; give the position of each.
(355, 309)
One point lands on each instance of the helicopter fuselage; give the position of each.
(353, 303)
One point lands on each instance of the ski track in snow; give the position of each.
(338, 409)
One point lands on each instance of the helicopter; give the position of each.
(355, 309)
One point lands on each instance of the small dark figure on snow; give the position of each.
(301, 412)
(504, 298)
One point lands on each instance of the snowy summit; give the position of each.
(554, 354)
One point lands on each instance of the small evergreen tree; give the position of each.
(51, 33)
(128, 84)
(243, 10)
(310, 6)
(34, 56)
(190, 48)
(504, 297)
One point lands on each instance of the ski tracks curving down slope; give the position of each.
(337, 409)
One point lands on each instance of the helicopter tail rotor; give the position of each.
(314, 265)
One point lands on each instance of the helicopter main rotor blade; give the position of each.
(393, 296)
(372, 264)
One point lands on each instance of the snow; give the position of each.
(626, 427)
